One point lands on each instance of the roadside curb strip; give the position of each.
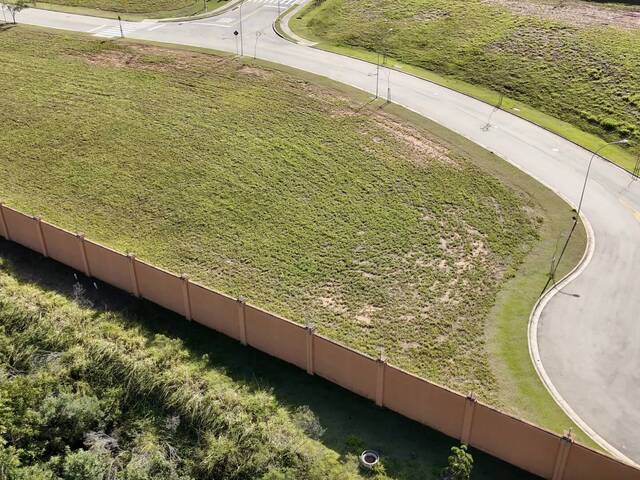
(534, 351)
(201, 16)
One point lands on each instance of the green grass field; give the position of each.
(549, 64)
(132, 9)
(383, 233)
(96, 385)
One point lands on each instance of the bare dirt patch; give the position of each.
(417, 142)
(153, 58)
(574, 12)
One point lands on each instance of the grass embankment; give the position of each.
(132, 10)
(298, 197)
(95, 385)
(558, 67)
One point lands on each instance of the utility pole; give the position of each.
(241, 39)
(378, 75)
(255, 50)
(120, 24)
(576, 219)
(384, 60)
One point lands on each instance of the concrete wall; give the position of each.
(109, 266)
(536, 448)
(424, 402)
(63, 246)
(348, 368)
(214, 310)
(275, 336)
(463, 418)
(160, 287)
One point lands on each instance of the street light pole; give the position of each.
(586, 177)
(378, 75)
(241, 39)
(576, 219)
(384, 59)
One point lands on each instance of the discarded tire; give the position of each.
(369, 459)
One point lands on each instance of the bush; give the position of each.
(86, 465)
(70, 416)
(460, 464)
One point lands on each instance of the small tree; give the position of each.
(460, 464)
(15, 8)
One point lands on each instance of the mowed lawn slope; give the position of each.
(133, 9)
(577, 62)
(261, 184)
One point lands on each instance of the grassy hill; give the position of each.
(383, 233)
(132, 9)
(570, 60)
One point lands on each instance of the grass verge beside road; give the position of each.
(572, 80)
(132, 11)
(303, 198)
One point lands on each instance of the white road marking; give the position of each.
(212, 24)
(96, 29)
(157, 27)
(114, 30)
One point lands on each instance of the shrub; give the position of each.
(460, 464)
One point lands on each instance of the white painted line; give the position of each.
(157, 27)
(96, 29)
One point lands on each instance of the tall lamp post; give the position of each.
(579, 210)
(384, 57)
(241, 39)
(586, 177)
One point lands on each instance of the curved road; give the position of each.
(588, 335)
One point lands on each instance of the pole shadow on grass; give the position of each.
(409, 450)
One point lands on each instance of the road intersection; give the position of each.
(586, 338)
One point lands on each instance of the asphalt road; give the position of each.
(588, 335)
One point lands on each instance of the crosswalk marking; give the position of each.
(283, 3)
(114, 30)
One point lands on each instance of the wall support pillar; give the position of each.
(382, 365)
(310, 332)
(83, 254)
(3, 223)
(242, 320)
(467, 421)
(135, 287)
(186, 295)
(43, 243)
(564, 448)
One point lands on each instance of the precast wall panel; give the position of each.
(63, 246)
(214, 310)
(586, 464)
(109, 266)
(517, 442)
(276, 336)
(23, 229)
(349, 369)
(424, 402)
(160, 287)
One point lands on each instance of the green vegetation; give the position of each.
(96, 385)
(548, 62)
(312, 205)
(460, 464)
(131, 9)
